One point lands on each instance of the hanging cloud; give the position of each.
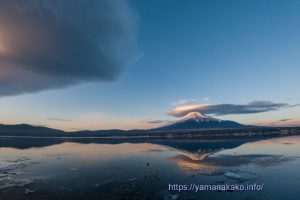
(48, 44)
(182, 102)
(226, 109)
(186, 101)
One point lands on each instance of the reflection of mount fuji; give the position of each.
(196, 120)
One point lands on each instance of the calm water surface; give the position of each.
(143, 169)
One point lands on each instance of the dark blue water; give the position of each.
(144, 169)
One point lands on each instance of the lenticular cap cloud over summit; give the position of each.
(226, 109)
(53, 44)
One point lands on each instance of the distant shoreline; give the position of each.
(164, 136)
(29, 131)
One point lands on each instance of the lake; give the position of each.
(37, 168)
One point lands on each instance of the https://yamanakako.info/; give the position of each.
(215, 187)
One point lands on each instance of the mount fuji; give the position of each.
(196, 120)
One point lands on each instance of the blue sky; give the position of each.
(208, 52)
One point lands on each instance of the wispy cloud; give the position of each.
(155, 121)
(54, 44)
(294, 105)
(58, 119)
(226, 109)
(284, 120)
(280, 123)
(206, 100)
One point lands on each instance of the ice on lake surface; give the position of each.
(144, 168)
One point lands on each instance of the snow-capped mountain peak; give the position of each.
(196, 120)
(198, 117)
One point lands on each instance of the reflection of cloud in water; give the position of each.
(195, 160)
(288, 146)
(187, 163)
(210, 164)
(155, 150)
(282, 140)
